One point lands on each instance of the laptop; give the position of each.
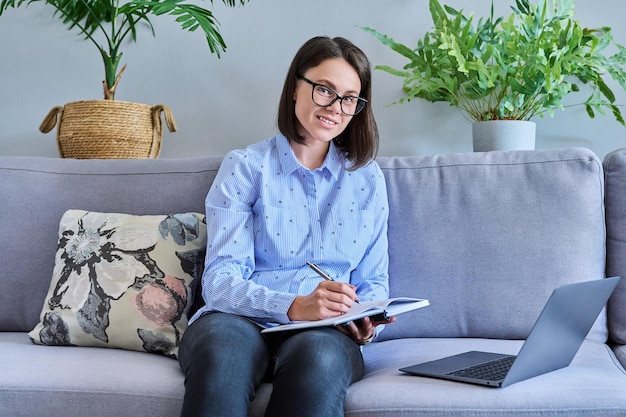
(552, 343)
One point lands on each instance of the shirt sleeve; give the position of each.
(371, 276)
(229, 264)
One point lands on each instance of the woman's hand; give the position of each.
(329, 299)
(362, 331)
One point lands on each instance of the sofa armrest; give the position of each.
(615, 202)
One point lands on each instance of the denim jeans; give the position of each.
(224, 358)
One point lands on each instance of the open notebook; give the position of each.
(385, 308)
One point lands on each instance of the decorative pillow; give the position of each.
(123, 281)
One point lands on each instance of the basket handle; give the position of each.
(157, 133)
(169, 117)
(51, 119)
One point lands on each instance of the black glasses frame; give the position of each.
(361, 102)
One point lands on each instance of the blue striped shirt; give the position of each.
(267, 215)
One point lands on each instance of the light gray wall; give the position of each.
(221, 104)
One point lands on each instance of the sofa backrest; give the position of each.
(35, 192)
(615, 184)
(486, 237)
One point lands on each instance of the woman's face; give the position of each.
(323, 124)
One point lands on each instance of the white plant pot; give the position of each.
(503, 135)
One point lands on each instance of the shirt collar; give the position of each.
(289, 163)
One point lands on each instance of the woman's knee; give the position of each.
(324, 351)
(220, 336)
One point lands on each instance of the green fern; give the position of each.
(513, 67)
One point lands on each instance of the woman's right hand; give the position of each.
(329, 299)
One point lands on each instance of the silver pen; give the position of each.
(322, 273)
(319, 271)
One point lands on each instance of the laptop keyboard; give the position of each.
(489, 371)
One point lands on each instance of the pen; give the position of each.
(322, 274)
(320, 271)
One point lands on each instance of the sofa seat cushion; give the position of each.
(76, 381)
(79, 381)
(593, 385)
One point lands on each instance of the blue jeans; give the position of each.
(224, 358)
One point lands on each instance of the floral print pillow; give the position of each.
(123, 281)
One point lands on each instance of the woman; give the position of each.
(310, 194)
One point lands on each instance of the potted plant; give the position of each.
(510, 68)
(110, 128)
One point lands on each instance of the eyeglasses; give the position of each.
(325, 97)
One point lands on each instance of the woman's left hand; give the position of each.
(362, 331)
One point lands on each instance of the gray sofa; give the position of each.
(485, 237)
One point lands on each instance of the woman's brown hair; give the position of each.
(359, 141)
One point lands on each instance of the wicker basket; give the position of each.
(108, 129)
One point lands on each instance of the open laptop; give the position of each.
(552, 343)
